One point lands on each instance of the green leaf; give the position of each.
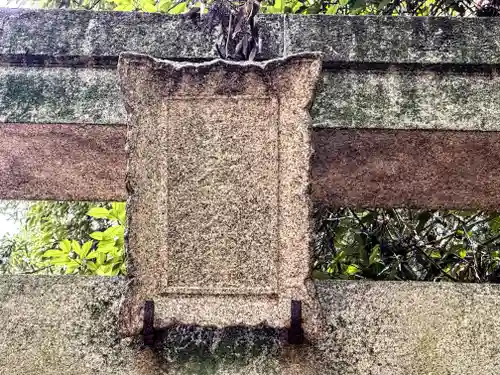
(318, 275)
(164, 5)
(435, 254)
(92, 255)
(86, 248)
(60, 261)
(70, 268)
(76, 247)
(47, 237)
(97, 235)
(359, 4)
(53, 253)
(352, 269)
(330, 9)
(148, 7)
(113, 231)
(495, 224)
(462, 253)
(105, 246)
(383, 4)
(92, 266)
(375, 255)
(119, 211)
(105, 270)
(340, 256)
(99, 213)
(101, 258)
(178, 9)
(65, 246)
(113, 252)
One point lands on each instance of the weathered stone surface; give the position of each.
(357, 168)
(423, 169)
(68, 325)
(62, 162)
(350, 97)
(218, 174)
(410, 328)
(397, 98)
(426, 40)
(395, 40)
(61, 325)
(60, 95)
(62, 33)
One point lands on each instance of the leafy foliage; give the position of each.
(402, 244)
(103, 255)
(345, 7)
(43, 245)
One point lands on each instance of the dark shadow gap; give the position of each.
(110, 62)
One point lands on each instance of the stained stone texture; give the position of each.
(68, 325)
(218, 172)
(379, 72)
(61, 325)
(357, 96)
(413, 328)
(395, 40)
(62, 162)
(404, 168)
(94, 36)
(60, 95)
(61, 34)
(441, 97)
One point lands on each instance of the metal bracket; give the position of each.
(148, 330)
(296, 332)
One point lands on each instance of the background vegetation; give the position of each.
(396, 244)
(64, 238)
(346, 7)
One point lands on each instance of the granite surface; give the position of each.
(218, 176)
(68, 325)
(405, 168)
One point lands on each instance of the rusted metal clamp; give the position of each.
(296, 332)
(148, 331)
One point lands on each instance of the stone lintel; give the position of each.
(83, 37)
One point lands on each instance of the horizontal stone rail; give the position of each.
(356, 168)
(380, 72)
(93, 35)
(67, 325)
(354, 96)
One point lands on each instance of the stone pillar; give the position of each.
(218, 176)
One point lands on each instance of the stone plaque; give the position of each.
(218, 172)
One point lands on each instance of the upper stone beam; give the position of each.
(395, 40)
(343, 39)
(62, 33)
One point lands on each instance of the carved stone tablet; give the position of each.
(218, 173)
